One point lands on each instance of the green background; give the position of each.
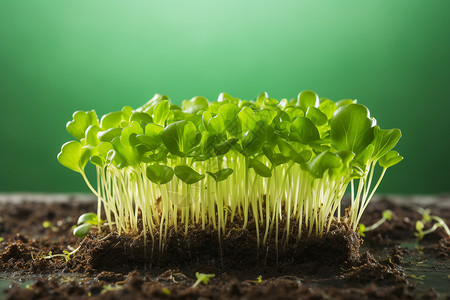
(60, 56)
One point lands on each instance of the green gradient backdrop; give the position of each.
(60, 56)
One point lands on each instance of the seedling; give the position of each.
(212, 163)
(66, 254)
(47, 224)
(257, 281)
(110, 288)
(202, 278)
(84, 224)
(1, 239)
(426, 218)
(385, 216)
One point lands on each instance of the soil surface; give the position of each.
(388, 263)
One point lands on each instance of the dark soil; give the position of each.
(389, 264)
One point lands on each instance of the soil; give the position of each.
(388, 263)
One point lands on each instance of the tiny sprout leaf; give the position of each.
(224, 147)
(74, 156)
(195, 104)
(221, 174)
(307, 99)
(351, 128)
(387, 214)
(81, 121)
(90, 218)
(389, 159)
(260, 168)
(159, 174)
(384, 141)
(82, 230)
(204, 278)
(304, 131)
(187, 174)
(316, 116)
(361, 230)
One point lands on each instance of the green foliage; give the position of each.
(202, 278)
(301, 154)
(84, 224)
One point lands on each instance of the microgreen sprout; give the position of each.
(202, 278)
(427, 218)
(257, 281)
(84, 224)
(212, 163)
(66, 254)
(385, 216)
(111, 288)
(47, 224)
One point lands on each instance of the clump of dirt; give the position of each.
(121, 252)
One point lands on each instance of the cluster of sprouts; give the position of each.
(264, 161)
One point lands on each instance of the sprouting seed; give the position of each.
(204, 278)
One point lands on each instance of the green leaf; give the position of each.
(187, 174)
(306, 99)
(159, 174)
(389, 159)
(344, 102)
(322, 162)
(109, 134)
(91, 138)
(224, 97)
(328, 107)
(114, 119)
(74, 156)
(133, 127)
(275, 158)
(180, 137)
(384, 141)
(229, 113)
(90, 218)
(260, 168)
(221, 174)
(129, 153)
(216, 125)
(352, 128)
(161, 112)
(224, 147)
(140, 117)
(195, 105)
(81, 121)
(247, 118)
(302, 157)
(304, 131)
(82, 230)
(265, 116)
(316, 116)
(253, 140)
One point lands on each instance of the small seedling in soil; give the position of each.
(84, 224)
(257, 281)
(202, 278)
(66, 254)
(47, 224)
(427, 218)
(110, 288)
(1, 239)
(283, 165)
(385, 216)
